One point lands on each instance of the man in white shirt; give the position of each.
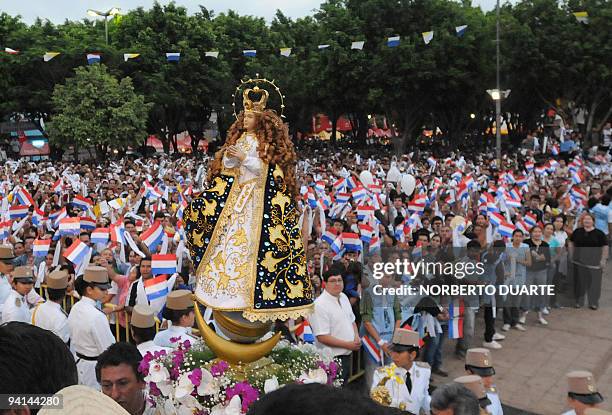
(16, 305)
(50, 315)
(143, 330)
(6, 267)
(333, 321)
(118, 374)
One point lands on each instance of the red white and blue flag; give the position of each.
(18, 212)
(82, 203)
(374, 245)
(70, 226)
(329, 237)
(163, 264)
(77, 252)
(117, 232)
(339, 185)
(372, 349)
(342, 198)
(5, 228)
(156, 288)
(304, 332)
(153, 236)
(58, 186)
(366, 232)
(496, 218)
(100, 236)
(41, 247)
(506, 229)
(351, 241)
(24, 197)
(531, 219)
(88, 224)
(359, 193)
(38, 217)
(365, 212)
(58, 215)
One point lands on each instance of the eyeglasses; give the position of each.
(335, 281)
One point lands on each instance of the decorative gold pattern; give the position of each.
(258, 252)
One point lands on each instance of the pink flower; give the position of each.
(219, 368)
(196, 376)
(247, 393)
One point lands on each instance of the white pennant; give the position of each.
(132, 244)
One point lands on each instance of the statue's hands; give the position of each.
(233, 151)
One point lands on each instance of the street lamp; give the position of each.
(497, 96)
(112, 12)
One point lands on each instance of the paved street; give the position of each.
(532, 365)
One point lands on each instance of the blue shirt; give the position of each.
(601, 217)
(567, 146)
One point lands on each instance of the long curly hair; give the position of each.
(274, 146)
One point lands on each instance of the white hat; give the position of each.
(82, 400)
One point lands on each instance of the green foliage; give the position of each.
(93, 108)
(547, 59)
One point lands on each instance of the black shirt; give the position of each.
(542, 249)
(588, 245)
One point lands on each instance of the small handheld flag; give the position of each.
(393, 41)
(77, 252)
(173, 56)
(163, 264)
(40, 247)
(100, 236)
(427, 37)
(93, 58)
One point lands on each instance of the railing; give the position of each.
(356, 367)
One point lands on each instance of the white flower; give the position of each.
(184, 386)
(157, 373)
(188, 405)
(314, 376)
(233, 408)
(209, 384)
(271, 384)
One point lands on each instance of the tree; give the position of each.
(94, 109)
(183, 94)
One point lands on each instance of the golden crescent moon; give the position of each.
(230, 351)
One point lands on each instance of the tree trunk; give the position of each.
(334, 125)
(594, 105)
(362, 132)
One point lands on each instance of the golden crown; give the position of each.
(259, 105)
(255, 106)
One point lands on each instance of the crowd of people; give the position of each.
(86, 249)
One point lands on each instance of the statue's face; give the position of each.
(249, 121)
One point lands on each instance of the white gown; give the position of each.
(225, 280)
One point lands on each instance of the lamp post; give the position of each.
(111, 12)
(497, 95)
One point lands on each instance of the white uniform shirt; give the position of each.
(570, 412)
(150, 346)
(5, 290)
(495, 408)
(333, 316)
(89, 330)
(16, 308)
(418, 398)
(182, 333)
(50, 316)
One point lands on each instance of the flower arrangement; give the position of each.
(189, 380)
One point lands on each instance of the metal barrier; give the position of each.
(357, 370)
